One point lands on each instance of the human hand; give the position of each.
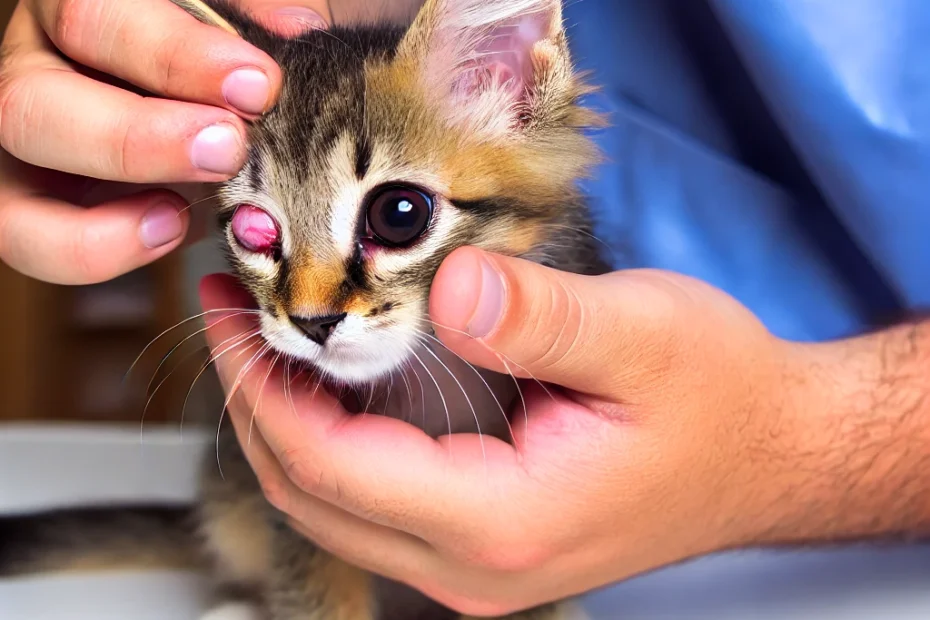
(677, 434)
(70, 114)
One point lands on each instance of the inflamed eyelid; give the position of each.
(254, 229)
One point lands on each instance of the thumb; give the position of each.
(514, 316)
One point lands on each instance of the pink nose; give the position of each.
(254, 229)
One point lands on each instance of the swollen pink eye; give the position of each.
(254, 229)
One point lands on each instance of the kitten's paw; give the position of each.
(233, 611)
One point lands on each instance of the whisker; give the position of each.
(387, 399)
(483, 380)
(154, 393)
(467, 399)
(211, 359)
(197, 202)
(371, 396)
(403, 375)
(526, 412)
(258, 399)
(235, 388)
(438, 389)
(288, 396)
(580, 231)
(180, 344)
(501, 357)
(179, 324)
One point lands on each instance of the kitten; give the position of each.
(389, 148)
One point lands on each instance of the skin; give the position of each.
(77, 137)
(684, 428)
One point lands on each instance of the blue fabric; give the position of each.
(778, 149)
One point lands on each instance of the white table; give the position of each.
(55, 466)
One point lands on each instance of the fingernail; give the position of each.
(301, 18)
(217, 149)
(247, 90)
(490, 302)
(160, 226)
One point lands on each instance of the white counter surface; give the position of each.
(55, 466)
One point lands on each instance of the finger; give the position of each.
(289, 17)
(382, 550)
(511, 315)
(160, 48)
(399, 12)
(58, 242)
(107, 133)
(352, 461)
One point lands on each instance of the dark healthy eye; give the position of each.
(398, 215)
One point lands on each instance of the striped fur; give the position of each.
(477, 104)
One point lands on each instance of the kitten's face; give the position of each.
(381, 158)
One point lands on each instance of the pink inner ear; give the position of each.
(254, 229)
(504, 59)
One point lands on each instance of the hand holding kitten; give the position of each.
(71, 114)
(684, 428)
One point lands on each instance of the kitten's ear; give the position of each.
(497, 65)
(204, 13)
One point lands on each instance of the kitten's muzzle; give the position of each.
(318, 328)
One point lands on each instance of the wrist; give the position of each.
(853, 454)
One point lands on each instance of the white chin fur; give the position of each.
(233, 611)
(355, 354)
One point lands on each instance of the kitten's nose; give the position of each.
(318, 328)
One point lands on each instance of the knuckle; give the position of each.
(70, 24)
(11, 94)
(86, 248)
(472, 607)
(168, 60)
(300, 470)
(7, 236)
(565, 312)
(513, 555)
(124, 143)
(275, 491)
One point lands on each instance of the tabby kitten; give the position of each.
(389, 148)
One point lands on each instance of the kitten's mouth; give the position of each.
(355, 397)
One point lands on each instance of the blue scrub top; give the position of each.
(778, 149)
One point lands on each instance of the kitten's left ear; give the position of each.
(496, 65)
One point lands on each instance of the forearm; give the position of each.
(855, 427)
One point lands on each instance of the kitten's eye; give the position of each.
(398, 215)
(254, 229)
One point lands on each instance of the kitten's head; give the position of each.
(388, 149)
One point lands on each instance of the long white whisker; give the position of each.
(403, 375)
(526, 412)
(181, 344)
(197, 202)
(179, 324)
(258, 399)
(438, 389)
(501, 357)
(467, 399)
(483, 380)
(211, 359)
(232, 392)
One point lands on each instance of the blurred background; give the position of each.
(65, 351)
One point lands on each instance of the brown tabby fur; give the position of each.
(354, 105)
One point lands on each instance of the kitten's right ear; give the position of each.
(206, 14)
(493, 66)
